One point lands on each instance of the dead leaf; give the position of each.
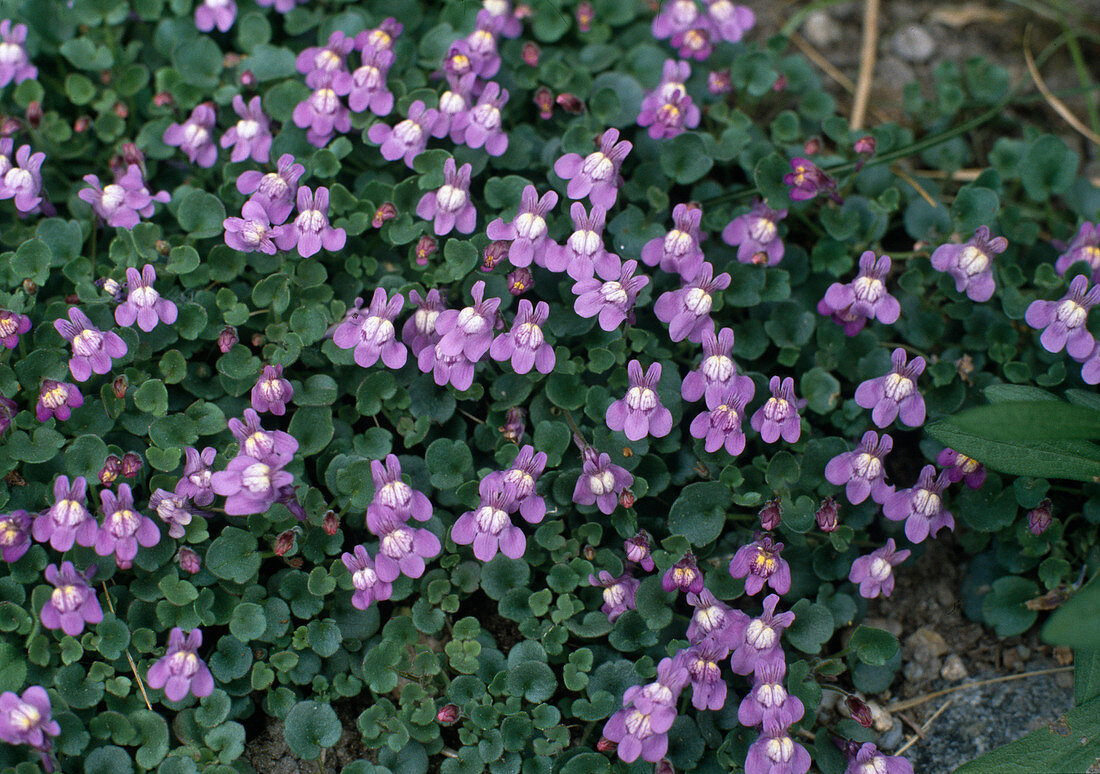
(958, 16)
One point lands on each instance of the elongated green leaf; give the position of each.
(1086, 674)
(1074, 623)
(1073, 459)
(1030, 420)
(1069, 744)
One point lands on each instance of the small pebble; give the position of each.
(880, 718)
(821, 30)
(913, 43)
(891, 740)
(926, 644)
(953, 668)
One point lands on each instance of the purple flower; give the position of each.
(455, 103)
(123, 528)
(251, 232)
(15, 535)
(249, 485)
(488, 528)
(481, 44)
(8, 409)
(637, 551)
(875, 572)
(1084, 247)
(864, 298)
(450, 205)
(525, 344)
(523, 474)
(510, 26)
(482, 125)
(15, 65)
(612, 299)
(73, 602)
(92, 348)
(195, 136)
(468, 332)
(275, 191)
(27, 720)
(756, 234)
(868, 760)
(675, 114)
(806, 181)
(215, 13)
(310, 231)
(697, 43)
(251, 137)
(641, 726)
(322, 114)
(895, 394)
(123, 202)
(600, 482)
(921, 506)
(367, 87)
(419, 330)
(708, 689)
(583, 253)
(759, 644)
(195, 482)
(528, 232)
(23, 182)
(180, 670)
(381, 37)
(371, 333)
(678, 251)
(597, 175)
(640, 412)
(676, 16)
(779, 415)
(456, 370)
(1040, 517)
(401, 549)
(57, 399)
(409, 137)
(272, 392)
(393, 493)
(971, 263)
(774, 752)
(713, 621)
(618, 593)
(144, 304)
(862, 471)
(67, 520)
(760, 564)
(731, 21)
(720, 424)
(12, 326)
(321, 64)
(1064, 321)
(768, 702)
(272, 446)
(684, 576)
(368, 586)
(687, 310)
(717, 373)
(960, 467)
(173, 509)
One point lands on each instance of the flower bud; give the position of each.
(227, 338)
(664, 766)
(189, 561)
(771, 514)
(285, 542)
(780, 83)
(719, 82)
(865, 146)
(544, 101)
(425, 248)
(111, 287)
(627, 499)
(120, 385)
(121, 110)
(330, 524)
(112, 466)
(514, 427)
(1040, 517)
(132, 154)
(861, 713)
(34, 114)
(589, 553)
(637, 547)
(605, 745)
(520, 281)
(9, 126)
(248, 78)
(494, 253)
(584, 16)
(826, 515)
(72, 299)
(231, 59)
(530, 54)
(163, 99)
(30, 287)
(131, 464)
(386, 212)
(258, 340)
(523, 11)
(812, 146)
(570, 103)
(448, 714)
(81, 124)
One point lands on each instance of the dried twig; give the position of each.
(826, 66)
(866, 62)
(133, 666)
(916, 700)
(1059, 106)
(916, 186)
(924, 727)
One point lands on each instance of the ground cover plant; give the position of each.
(524, 388)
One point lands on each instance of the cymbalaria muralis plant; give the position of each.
(532, 388)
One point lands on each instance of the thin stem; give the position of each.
(1083, 76)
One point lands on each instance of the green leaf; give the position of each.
(248, 621)
(233, 556)
(873, 646)
(1035, 420)
(812, 627)
(13, 668)
(684, 158)
(108, 760)
(1074, 623)
(152, 397)
(699, 513)
(1069, 744)
(199, 61)
(974, 206)
(201, 214)
(533, 680)
(448, 462)
(32, 261)
(768, 175)
(312, 426)
(1003, 607)
(1073, 459)
(1086, 674)
(820, 389)
(1047, 167)
(309, 727)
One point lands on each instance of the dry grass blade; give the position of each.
(916, 186)
(133, 666)
(866, 63)
(1059, 106)
(924, 727)
(904, 705)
